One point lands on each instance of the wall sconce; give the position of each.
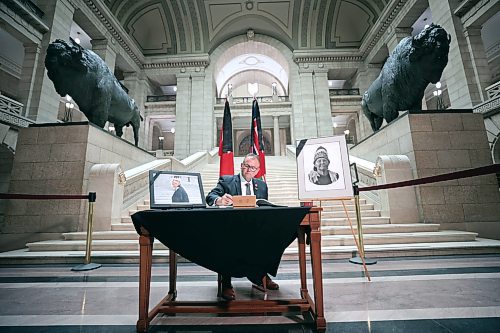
(172, 130)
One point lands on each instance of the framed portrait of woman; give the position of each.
(323, 168)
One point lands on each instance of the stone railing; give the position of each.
(161, 98)
(249, 99)
(10, 105)
(136, 182)
(488, 108)
(193, 163)
(493, 90)
(341, 92)
(366, 177)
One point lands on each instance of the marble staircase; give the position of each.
(382, 236)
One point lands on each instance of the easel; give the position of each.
(359, 242)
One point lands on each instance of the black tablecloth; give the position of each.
(237, 242)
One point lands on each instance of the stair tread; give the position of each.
(407, 234)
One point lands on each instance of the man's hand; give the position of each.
(313, 176)
(225, 200)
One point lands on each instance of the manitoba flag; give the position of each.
(256, 142)
(226, 144)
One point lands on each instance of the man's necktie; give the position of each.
(248, 192)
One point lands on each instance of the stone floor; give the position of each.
(407, 294)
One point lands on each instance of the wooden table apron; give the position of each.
(308, 225)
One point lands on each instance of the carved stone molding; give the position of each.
(113, 31)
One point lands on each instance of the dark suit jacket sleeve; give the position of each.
(219, 190)
(260, 189)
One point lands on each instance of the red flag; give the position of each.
(226, 144)
(256, 142)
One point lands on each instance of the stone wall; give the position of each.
(438, 143)
(56, 159)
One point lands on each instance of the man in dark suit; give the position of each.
(241, 184)
(180, 194)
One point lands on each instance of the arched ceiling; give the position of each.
(171, 27)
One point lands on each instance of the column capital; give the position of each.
(32, 48)
(312, 67)
(472, 31)
(191, 72)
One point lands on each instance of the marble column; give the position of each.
(182, 116)
(309, 119)
(312, 113)
(44, 100)
(459, 73)
(322, 101)
(482, 73)
(199, 119)
(276, 135)
(28, 75)
(102, 47)
(364, 79)
(137, 86)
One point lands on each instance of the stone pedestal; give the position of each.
(57, 159)
(437, 143)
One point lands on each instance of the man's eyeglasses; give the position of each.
(249, 167)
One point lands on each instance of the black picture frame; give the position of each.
(164, 195)
(354, 173)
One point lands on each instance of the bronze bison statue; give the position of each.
(414, 63)
(84, 76)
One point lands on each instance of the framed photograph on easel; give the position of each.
(323, 169)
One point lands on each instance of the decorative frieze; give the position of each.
(489, 107)
(113, 31)
(14, 119)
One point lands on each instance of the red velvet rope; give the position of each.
(43, 196)
(494, 168)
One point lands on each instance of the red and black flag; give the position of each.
(256, 142)
(226, 144)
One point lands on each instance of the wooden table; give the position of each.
(309, 227)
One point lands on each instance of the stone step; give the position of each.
(345, 222)
(381, 229)
(97, 245)
(401, 238)
(128, 234)
(327, 217)
(327, 240)
(351, 213)
(338, 208)
(127, 230)
(479, 246)
(124, 226)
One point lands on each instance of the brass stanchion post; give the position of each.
(87, 266)
(357, 259)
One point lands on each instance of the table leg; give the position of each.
(172, 291)
(146, 254)
(302, 259)
(317, 278)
